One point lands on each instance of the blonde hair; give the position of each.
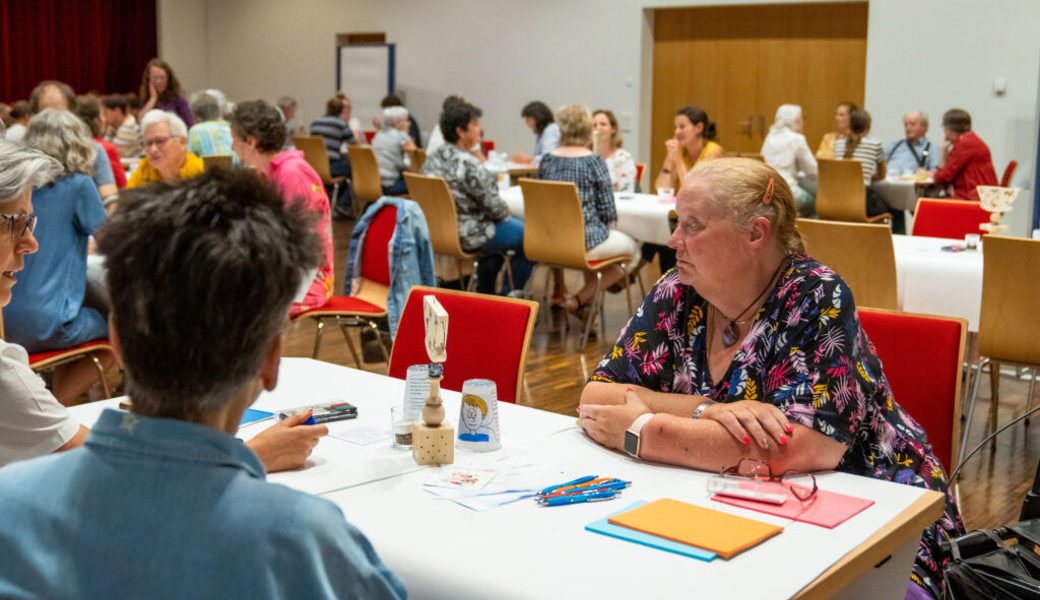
(615, 131)
(575, 123)
(476, 401)
(740, 188)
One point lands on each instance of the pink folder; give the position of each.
(826, 509)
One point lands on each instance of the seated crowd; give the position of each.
(708, 341)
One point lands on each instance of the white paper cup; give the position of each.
(971, 240)
(665, 193)
(416, 390)
(478, 416)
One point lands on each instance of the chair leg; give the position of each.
(594, 307)
(317, 337)
(547, 305)
(994, 398)
(101, 375)
(971, 408)
(507, 265)
(1032, 388)
(350, 343)
(379, 338)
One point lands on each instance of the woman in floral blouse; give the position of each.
(750, 348)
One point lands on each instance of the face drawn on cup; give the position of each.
(478, 416)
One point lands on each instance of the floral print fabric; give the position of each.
(807, 355)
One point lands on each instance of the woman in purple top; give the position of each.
(162, 90)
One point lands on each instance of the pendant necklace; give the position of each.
(731, 331)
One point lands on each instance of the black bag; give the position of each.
(1004, 571)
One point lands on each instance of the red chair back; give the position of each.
(375, 254)
(488, 146)
(369, 134)
(639, 173)
(922, 357)
(1009, 172)
(487, 338)
(948, 218)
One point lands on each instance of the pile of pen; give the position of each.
(583, 489)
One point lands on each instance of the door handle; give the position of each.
(747, 126)
(762, 126)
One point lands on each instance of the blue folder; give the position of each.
(253, 414)
(631, 535)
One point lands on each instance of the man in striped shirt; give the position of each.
(333, 127)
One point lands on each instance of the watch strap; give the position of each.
(700, 408)
(634, 431)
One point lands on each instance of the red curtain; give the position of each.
(92, 45)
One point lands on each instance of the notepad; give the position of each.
(826, 509)
(718, 532)
(602, 526)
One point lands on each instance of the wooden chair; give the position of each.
(365, 182)
(369, 304)
(488, 338)
(222, 160)
(46, 361)
(861, 253)
(416, 159)
(841, 195)
(317, 156)
(554, 236)
(1008, 326)
(948, 218)
(923, 356)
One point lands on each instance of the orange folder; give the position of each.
(719, 532)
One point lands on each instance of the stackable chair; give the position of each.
(487, 338)
(861, 253)
(948, 218)
(364, 177)
(841, 195)
(219, 160)
(416, 159)
(554, 236)
(317, 156)
(922, 357)
(1008, 326)
(369, 304)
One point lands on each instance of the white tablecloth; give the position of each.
(642, 216)
(899, 194)
(935, 282)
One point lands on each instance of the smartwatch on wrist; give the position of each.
(632, 439)
(700, 408)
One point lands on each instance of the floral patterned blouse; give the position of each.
(807, 355)
(622, 169)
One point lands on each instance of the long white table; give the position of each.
(521, 550)
(933, 281)
(898, 193)
(644, 217)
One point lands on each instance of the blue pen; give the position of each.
(577, 481)
(579, 498)
(616, 484)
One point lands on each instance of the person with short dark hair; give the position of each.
(163, 91)
(484, 221)
(334, 128)
(168, 483)
(211, 133)
(20, 115)
(123, 131)
(257, 138)
(539, 118)
(436, 137)
(965, 162)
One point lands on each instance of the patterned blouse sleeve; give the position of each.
(604, 200)
(644, 354)
(820, 376)
(481, 185)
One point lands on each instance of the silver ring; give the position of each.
(765, 442)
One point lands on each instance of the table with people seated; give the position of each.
(934, 281)
(901, 193)
(441, 549)
(644, 217)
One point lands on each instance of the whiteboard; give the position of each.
(365, 73)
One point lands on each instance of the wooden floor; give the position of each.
(991, 488)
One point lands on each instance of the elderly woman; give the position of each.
(690, 144)
(162, 91)
(573, 161)
(620, 165)
(786, 150)
(841, 130)
(257, 137)
(750, 348)
(166, 156)
(389, 146)
(47, 310)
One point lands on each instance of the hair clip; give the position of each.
(767, 198)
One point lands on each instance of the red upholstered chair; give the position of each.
(487, 338)
(948, 218)
(487, 146)
(1009, 172)
(369, 304)
(922, 356)
(369, 134)
(640, 167)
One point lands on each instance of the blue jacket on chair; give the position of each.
(411, 255)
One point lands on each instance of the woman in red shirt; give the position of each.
(965, 161)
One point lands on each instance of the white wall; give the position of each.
(928, 54)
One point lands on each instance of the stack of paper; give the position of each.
(480, 484)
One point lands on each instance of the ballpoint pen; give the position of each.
(557, 487)
(599, 487)
(578, 498)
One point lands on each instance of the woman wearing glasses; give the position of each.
(46, 310)
(160, 88)
(752, 349)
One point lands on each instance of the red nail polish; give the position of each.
(577, 409)
(629, 390)
(789, 429)
(746, 440)
(783, 439)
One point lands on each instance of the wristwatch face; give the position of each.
(631, 443)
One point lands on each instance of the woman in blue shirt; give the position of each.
(546, 132)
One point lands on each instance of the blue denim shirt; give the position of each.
(411, 256)
(902, 160)
(160, 508)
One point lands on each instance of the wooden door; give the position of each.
(739, 63)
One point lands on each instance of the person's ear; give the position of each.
(759, 231)
(269, 368)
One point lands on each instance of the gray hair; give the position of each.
(201, 276)
(393, 114)
(22, 167)
(63, 136)
(786, 116)
(923, 116)
(204, 106)
(177, 126)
